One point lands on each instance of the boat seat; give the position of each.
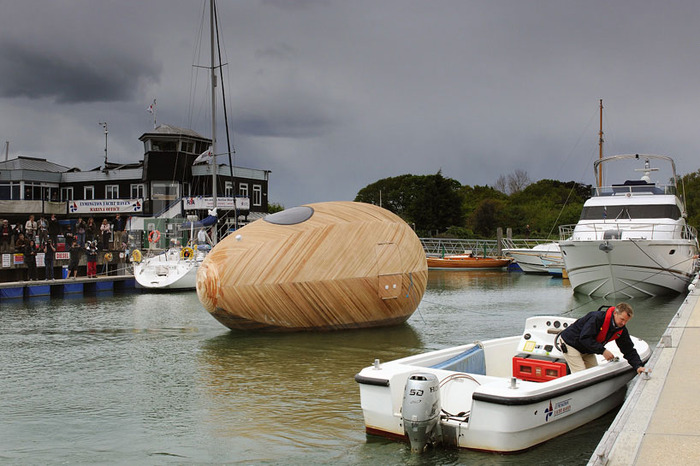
(471, 361)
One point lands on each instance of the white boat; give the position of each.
(632, 239)
(173, 269)
(530, 259)
(502, 395)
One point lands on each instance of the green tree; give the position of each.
(273, 207)
(432, 202)
(691, 182)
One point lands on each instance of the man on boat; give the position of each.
(586, 338)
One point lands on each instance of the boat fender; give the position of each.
(420, 411)
(108, 257)
(136, 255)
(153, 236)
(186, 253)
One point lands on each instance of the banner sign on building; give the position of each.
(94, 206)
(201, 203)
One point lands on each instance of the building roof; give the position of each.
(23, 162)
(170, 130)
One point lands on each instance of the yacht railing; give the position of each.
(631, 230)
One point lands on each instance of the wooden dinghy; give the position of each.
(324, 266)
(465, 261)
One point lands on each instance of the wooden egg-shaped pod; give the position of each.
(324, 266)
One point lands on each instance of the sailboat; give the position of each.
(177, 266)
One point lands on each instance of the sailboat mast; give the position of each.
(213, 117)
(600, 146)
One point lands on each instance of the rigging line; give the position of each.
(573, 187)
(223, 92)
(194, 72)
(228, 137)
(656, 262)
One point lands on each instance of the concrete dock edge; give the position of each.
(658, 420)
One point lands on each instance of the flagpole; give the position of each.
(155, 110)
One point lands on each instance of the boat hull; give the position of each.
(486, 410)
(530, 259)
(465, 262)
(167, 271)
(629, 268)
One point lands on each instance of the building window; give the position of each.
(187, 146)
(10, 191)
(228, 189)
(112, 191)
(67, 194)
(243, 189)
(137, 191)
(257, 194)
(89, 192)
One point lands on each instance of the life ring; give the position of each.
(136, 255)
(186, 253)
(108, 257)
(153, 236)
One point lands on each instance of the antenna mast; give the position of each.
(600, 146)
(104, 125)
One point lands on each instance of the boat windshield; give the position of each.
(631, 212)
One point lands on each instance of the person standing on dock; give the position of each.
(30, 228)
(43, 231)
(91, 249)
(75, 251)
(118, 232)
(49, 254)
(80, 228)
(90, 230)
(585, 338)
(105, 230)
(30, 260)
(5, 237)
(54, 229)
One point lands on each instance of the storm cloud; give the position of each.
(331, 95)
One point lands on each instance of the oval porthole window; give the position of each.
(671, 252)
(291, 216)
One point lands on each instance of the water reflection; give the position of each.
(263, 390)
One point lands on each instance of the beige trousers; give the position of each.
(578, 361)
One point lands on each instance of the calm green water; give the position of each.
(153, 379)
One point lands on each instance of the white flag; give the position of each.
(205, 156)
(151, 108)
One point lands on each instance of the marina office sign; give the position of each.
(200, 203)
(92, 206)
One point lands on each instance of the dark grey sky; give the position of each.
(333, 95)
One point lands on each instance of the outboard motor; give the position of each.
(420, 410)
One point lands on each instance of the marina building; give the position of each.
(166, 183)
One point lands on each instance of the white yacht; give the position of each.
(530, 259)
(632, 239)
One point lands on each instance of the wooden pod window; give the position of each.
(292, 216)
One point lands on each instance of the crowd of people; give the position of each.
(36, 236)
